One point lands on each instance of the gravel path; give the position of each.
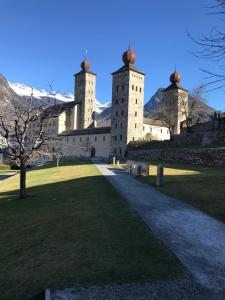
(179, 289)
(197, 239)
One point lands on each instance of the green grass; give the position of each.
(202, 187)
(5, 167)
(73, 229)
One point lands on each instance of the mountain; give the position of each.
(49, 97)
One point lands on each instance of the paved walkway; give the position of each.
(197, 239)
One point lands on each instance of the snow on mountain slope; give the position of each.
(25, 91)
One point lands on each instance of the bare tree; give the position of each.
(212, 46)
(23, 140)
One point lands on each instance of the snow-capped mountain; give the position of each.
(25, 91)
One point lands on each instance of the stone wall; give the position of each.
(200, 156)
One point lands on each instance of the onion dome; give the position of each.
(175, 77)
(129, 57)
(85, 65)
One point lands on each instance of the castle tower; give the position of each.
(84, 95)
(127, 105)
(175, 104)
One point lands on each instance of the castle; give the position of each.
(74, 126)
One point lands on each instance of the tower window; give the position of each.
(116, 113)
(115, 137)
(132, 87)
(140, 89)
(88, 139)
(116, 101)
(121, 136)
(122, 100)
(135, 114)
(123, 87)
(136, 88)
(80, 139)
(135, 125)
(121, 125)
(95, 138)
(117, 88)
(103, 138)
(133, 138)
(120, 151)
(136, 101)
(114, 151)
(74, 139)
(115, 125)
(121, 112)
(161, 130)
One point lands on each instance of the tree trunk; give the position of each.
(23, 181)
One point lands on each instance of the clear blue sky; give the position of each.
(44, 41)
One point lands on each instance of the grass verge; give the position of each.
(202, 187)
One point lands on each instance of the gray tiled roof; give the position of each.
(127, 68)
(86, 131)
(174, 86)
(56, 110)
(153, 122)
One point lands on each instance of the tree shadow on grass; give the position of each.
(73, 233)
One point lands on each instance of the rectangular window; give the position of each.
(123, 87)
(132, 87)
(121, 125)
(121, 112)
(95, 138)
(74, 139)
(136, 101)
(103, 138)
(121, 137)
(135, 114)
(135, 125)
(80, 139)
(115, 137)
(117, 88)
(140, 90)
(115, 125)
(136, 88)
(114, 151)
(116, 113)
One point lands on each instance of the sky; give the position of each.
(42, 42)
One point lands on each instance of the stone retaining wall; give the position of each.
(200, 156)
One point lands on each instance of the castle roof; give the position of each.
(153, 122)
(86, 131)
(55, 110)
(128, 68)
(175, 86)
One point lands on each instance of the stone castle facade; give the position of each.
(75, 131)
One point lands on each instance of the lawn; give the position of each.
(73, 229)
(202, 187)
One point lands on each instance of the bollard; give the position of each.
(139, 170)
(159, 179)
(114, 160)
(117, 163)
(148, 170)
